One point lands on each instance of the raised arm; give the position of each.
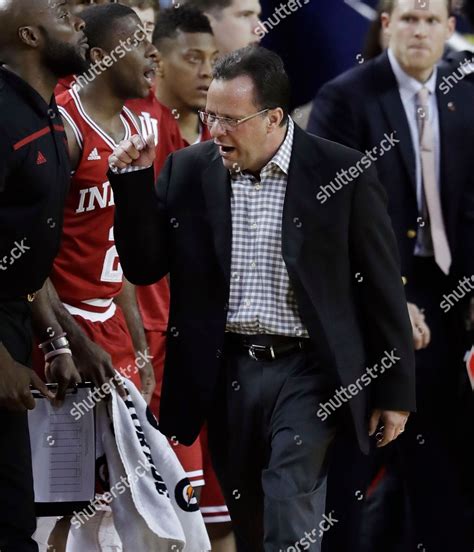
(141, 220)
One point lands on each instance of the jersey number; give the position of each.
(111, 271)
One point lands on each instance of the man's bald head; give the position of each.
(15, 14)
(42, 31)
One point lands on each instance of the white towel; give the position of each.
(154, 508)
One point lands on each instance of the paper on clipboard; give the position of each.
(63, 450)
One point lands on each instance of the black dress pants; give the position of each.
(437, 445)
(17, 514)
(271, 451)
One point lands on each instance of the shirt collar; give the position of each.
(408, 85)
(283, 155)
(281, 159)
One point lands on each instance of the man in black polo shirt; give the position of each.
(39, 43)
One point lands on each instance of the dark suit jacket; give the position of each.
(457, 69)
(363, 104)
(341, 258)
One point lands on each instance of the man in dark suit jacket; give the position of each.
(359, 109)
(460, 64)
(276, 299)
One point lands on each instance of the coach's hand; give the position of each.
(15, 381)
(393, 423)
(135, 152)
(421, 331)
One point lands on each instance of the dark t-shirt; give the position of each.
(34, 180)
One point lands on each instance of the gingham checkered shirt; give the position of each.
(261, 297)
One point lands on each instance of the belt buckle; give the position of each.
(254, 349)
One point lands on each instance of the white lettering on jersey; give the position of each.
(149, 125)
(82, 200)
(111, 270)
(97, 198)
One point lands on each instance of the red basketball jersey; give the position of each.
(158, 119)
(64, 85)
(87, 270)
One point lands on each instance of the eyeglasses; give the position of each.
(227, 123)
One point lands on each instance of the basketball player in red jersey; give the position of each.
(86, 289)
(86, 296)
(187, 51)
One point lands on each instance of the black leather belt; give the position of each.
(266, 347)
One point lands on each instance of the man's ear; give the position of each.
(451, 27)
(30, 36)
(385, 22)
(275, 117)
(96, 55)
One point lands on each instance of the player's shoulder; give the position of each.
(12, 102)
(361, 80)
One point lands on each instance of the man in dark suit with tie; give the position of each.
(429, 178)
(287, 316)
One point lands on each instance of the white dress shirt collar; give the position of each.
(408, 85)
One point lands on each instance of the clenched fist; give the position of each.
(135, 152)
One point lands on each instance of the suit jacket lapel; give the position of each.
(301, 206)
(449, 123)
(216, 188)
(387, 86)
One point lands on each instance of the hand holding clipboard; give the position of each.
(63, 452)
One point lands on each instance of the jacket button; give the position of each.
(411, 234)
(404, 280)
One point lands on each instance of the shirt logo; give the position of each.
(40, 159)
(149, 126)
(94, 155)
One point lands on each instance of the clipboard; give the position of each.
(63, 452)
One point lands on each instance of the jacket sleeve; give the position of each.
(141, 223)
(381, 297)
(332, 116)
